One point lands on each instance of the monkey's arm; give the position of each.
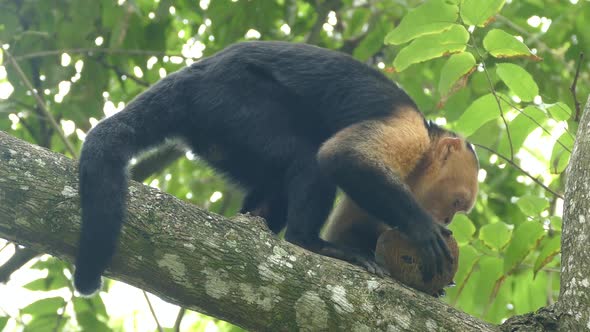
(370, 161)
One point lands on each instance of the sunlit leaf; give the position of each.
(468, 256)
(524, 240)
(3, 321)
(495, 235)
(51, 282)
(89, 322)
(532, 205)
(501, 44)
(481, 111)
(488, 280)
(518, 80)
(550, 248)
(480, 12)
(455, 72)
(44, 306)
(520, 127)
(561, 153)
(462, 228)
(429, 47)
(431, 17)
(559, 111)
(46, 323)
(555, 222)
(529, 292)
(94, 305)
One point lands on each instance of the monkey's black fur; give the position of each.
(257, 112)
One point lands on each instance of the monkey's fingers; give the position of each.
(355, 257)
(445, 248)
(440, 293)
(439, 258)
(428, 263)
(377, 269)
(445, 231)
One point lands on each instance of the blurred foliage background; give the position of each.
(68, 63)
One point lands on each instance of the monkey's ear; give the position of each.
(446, 146)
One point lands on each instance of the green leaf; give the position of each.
(94, 305)
(46, 323)
(501, 44)
(429, 47)
(44, 306)
(560, 155)
(556, 222)
(3, 321)
(355, 24)
(481, 111)
(520, 127)
(51, 282)
(468, 256)
(432, 17)
(373, 42)
(559, 111)
(455, 72)
(518, 80)
(526, 237)
(532, 205)
(529, 292)
(550, 248)
(480, 12)
(462, 228)
(90, 322)
(496, 235)
(491, 273)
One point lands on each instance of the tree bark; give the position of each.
(235, 269)
(572, 310)
(574, 295)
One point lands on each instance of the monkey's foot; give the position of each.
(355, 257)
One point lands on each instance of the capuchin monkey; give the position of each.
(288, 123)
(443, 183)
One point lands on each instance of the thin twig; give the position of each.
(533, 38)
(41, 104)
(179, 318)
(487, 74)
(573, 88)
(511, 162)
(509, 102)
(160, 329)
(120, 72)
(96, 50)
(60, 317)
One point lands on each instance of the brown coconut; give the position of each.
(402, 260)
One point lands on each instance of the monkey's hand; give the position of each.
(354, 256)
(429, 238)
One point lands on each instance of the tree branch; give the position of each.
(236, 270)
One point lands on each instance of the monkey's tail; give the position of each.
(153, 116)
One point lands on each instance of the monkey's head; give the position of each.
(445, 180)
